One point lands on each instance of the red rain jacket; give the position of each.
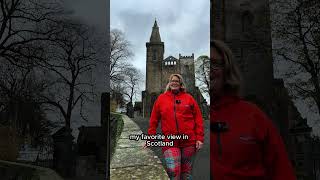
(251, 147)
(179, 114)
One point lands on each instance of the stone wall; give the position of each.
(9, 144)
(12, 170)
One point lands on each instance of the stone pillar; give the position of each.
(130, 110)
(9, 144)
(64, 154)
(105, 123)
(86, 166)
(308, 165)
(105, 109)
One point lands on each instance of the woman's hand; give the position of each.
(199, 145)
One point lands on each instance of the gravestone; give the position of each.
(130, 110)
(9, 145)
(64, 154)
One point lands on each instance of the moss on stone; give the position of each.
(116, 131)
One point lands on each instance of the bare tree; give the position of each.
(22, 24)
(117, 94)
(19, 89)
(120, 53)
(127, 85)
(297, 36)
(132, 80)
(203, 73)
(70, 59)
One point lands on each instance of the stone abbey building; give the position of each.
(158, 70)
(245, 26)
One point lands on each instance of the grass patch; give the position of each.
(116, 129)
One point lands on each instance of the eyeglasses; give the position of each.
(177, 81)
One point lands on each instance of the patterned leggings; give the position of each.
(179, 162)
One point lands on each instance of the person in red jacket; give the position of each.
(244, 143)
(179, 114)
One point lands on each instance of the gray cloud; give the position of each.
(93, 12)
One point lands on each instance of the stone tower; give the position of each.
(159, 69)
(187, 68)
(154, 60)
(245, 26)
(155, 51)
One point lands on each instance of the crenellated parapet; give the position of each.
(186, 57)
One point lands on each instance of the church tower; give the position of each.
(155, 51)
(154, 58)
(245, 26)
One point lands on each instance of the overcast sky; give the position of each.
(184, 26)
(93, 12)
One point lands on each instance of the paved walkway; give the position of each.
(131, 161)
(201, 166)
